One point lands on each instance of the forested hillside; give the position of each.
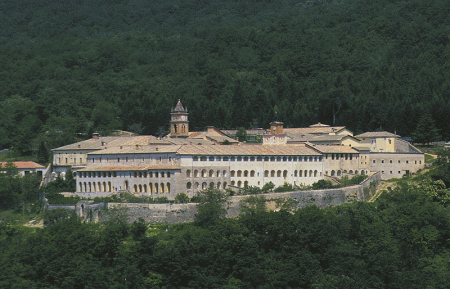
(69, 68)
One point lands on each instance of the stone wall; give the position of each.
(182, 213)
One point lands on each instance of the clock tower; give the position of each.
(179, 123)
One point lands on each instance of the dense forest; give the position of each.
(399, 241)
(69, 68)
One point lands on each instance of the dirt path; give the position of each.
(382, 187)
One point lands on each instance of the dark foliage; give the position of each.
(70, 69)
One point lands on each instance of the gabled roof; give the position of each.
(248, 149)
(377, 134)
(24, 165)
(315, 129)
(128, 168)
(335, 149)
(146, 149)
(110, 141)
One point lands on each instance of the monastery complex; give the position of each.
(186, 161)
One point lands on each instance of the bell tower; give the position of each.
(179, 123)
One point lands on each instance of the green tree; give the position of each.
(241, 134)
(181, 198)
(42, 154)
(210, 207)
(426, 130)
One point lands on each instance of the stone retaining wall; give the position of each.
(181, 213)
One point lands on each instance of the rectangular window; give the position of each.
(373, 161)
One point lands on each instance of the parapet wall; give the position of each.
(182, 213)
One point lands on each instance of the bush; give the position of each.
(181, 198)
(322, 184)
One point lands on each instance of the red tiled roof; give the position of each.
(24, 165)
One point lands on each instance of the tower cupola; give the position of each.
(179, 123)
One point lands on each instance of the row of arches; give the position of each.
(239, 183)
(338, 173)
(244, 174)
(94, 187)
(157, 188)
(274, 173)
(204, 185)
(306, 173)
(204, 173)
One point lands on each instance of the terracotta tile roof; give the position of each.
(189, 141)
(247, 149)
(24, 165)
(138, 150)
(314, 130)
(376, 134)
(220, 139)
(128, 168)
(108, 142)
(335, 149)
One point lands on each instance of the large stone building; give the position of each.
(185, 161)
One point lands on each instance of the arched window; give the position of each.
(145, 188)
(339, 173)
(224, 185)
(300, 173)
(188, 173)
(350, 172)
(140, 188)
(168, 187)
(246, 184)
(279, 173)
(211, 173)
(135, 189)
(239, 184)
(156, 188)
(99, 186)
(333, 173)
(239, 173)
(310, 173)
(266, 173)
(285, 172)
(162, 188)
(196, 174)
(295, 173)
(85, 188)
(306, 174)
(218, 185)
(246, 173)
(272, 173)
(150, 188)
(315, 173)
(188, 185)
(224, 173)
(204, 174)
(90, 187)
(232, 183)
(211, 185)
(196, 186)
(204, 185)
(109, 187)
(232, 174)
(104, 187)
(218, 174)
(252, 174)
